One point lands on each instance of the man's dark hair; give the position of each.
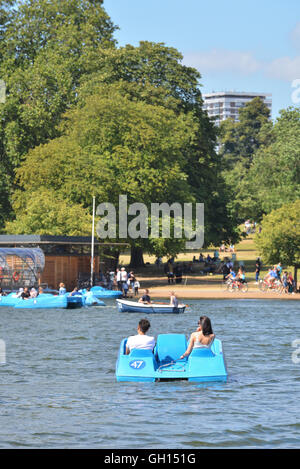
(144, 325)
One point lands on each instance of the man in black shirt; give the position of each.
(145, 298)
(25, 294)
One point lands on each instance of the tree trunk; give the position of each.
(295, 275)
(109, 258)
(136, 258)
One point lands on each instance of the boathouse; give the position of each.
(67, 258)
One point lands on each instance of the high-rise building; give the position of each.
(225, 104)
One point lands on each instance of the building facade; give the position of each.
(224, 104)
(67, 259)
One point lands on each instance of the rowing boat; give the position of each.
(126, 306)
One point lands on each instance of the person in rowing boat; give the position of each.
(145, 298)
(202, 338)
(173, 300)
(141, 340)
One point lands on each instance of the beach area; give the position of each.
(195, 285)
(185, 292)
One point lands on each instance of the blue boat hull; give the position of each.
(92, 300)
(203, 365)
(43, 300)
(9, 300)
(125, 306)
(102, 293)
(75, 301)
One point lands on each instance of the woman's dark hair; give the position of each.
(144, 325)
(206, 325)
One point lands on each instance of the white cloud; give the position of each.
(244, 63)
(223, 60)
(284, 68)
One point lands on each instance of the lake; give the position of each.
(58, 387)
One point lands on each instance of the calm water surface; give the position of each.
(58, 386)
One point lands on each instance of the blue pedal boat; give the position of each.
(44, 300)
(91, 300)
(102, 293)
(163, 364)
(74, 301)
(125, 306)
(9, 300)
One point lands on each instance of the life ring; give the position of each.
(16, 276)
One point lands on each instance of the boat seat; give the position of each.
(170, 347)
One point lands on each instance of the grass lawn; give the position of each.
(245, 252)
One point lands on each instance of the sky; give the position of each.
(237, 45)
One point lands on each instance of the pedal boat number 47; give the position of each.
(202, 365)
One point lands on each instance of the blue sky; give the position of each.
(236, 45)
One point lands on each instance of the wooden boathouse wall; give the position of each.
(66, 269)
(67, 258)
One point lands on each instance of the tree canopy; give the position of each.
(45, 50)
(279, 240)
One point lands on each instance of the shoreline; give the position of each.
(215, 294)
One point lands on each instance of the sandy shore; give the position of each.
(185, 292)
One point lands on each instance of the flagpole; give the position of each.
(92, 247)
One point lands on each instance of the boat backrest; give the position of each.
(138, 353)
(170, 347)
(202, 352)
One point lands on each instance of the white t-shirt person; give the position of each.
(141, 340)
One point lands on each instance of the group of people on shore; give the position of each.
(284, 277)
(120, 280)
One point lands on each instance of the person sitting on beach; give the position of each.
(173, 300)
(202, 338)
(141, 340)
(145, 298)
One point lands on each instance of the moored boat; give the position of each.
(43, 300)
(126, 306)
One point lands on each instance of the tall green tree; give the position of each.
(46, 48)
(279, 240)
(240, 140)
(111, 146)
(238, 145)
(154, 73)
(274, 177)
